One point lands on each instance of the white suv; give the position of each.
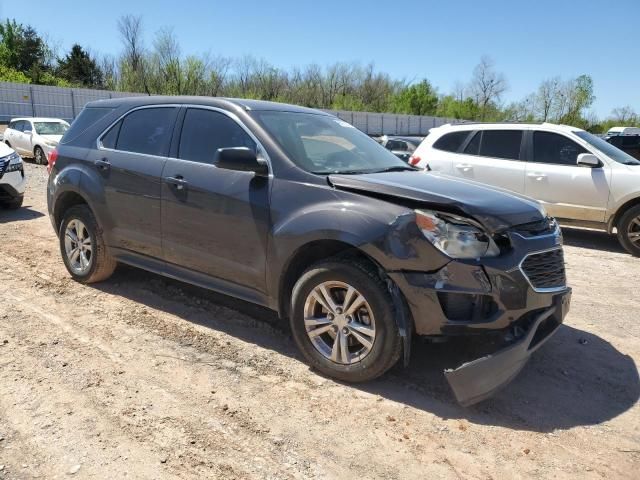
(579, 178)
(12, 179)
(35, 136)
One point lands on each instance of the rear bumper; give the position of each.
(479, 379)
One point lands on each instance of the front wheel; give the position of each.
(38, 156)
(342, 320)
(82, 247)
(629, 230)
(14, 203)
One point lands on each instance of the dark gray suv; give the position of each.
(296, 210)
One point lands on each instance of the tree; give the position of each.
(133, 62)
(22, 49)
(625, 116)
(418, 99)
(487, 86)
(78, 67)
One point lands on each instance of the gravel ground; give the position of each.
(144, 377)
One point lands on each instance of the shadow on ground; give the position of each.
(24, 213)
(575, 379)
(594, 239)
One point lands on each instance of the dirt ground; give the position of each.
(144, 377)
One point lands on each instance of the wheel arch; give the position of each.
(613, 221)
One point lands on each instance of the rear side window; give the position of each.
(205, 131)
(553, 148)
(501, 144)
(111, 137)
(87, 118)
(147, 131)
(451, 142)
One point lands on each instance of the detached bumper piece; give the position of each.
(479, 379)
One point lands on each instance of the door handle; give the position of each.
(178, 181)
(465, 167)
(103, 164)
(537, 176)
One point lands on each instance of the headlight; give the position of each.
(50, 143)
(15, 163)
(455, 236)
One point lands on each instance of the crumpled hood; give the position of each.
(494, 208)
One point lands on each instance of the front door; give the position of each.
(564, 188)
(129, 162)
(214, 221)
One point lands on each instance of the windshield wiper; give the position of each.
(399, 168)
(631, 163)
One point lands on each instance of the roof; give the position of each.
(39, 119)
(507, 126)
(222, 102)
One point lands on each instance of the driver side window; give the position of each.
(205, 131)
(553, 148)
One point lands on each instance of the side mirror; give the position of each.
(589, 160)
(28, 131)
(241, 159)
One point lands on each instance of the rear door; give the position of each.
(214, 221)
(18, 138)
(493, 157)
(566, 189)
(129, 160)
(442, 154)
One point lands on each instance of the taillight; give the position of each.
(53, 156)
(414, 160)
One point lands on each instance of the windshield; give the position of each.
(322, 144)
(51, 128)
(605, 147)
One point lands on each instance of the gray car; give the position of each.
(298, 211)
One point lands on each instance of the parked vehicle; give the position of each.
(615, 131)
(12, 178)
(296, 210)
(627, 143)
(579, 178)
(35, 137)
(401, 147)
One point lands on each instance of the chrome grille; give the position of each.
(545, 270)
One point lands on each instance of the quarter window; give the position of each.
(205, 131)
(553, 148)
(501, 144)
(451, 142)
(147, 131)
(111, 137)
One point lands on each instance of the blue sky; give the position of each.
(439, 40)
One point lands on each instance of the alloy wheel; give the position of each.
(39, 156)
(633, 231)
(339, 322)
(78, 247)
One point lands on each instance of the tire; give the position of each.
(386, 346)
(98, 265)
(39, 156)
(629, 230)
(8, 144)
(15, 203)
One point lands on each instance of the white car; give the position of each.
(12, 178)
(580, 179)
(35, 136)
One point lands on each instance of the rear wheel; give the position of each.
(82, 247)
(38, 156)
(342, 320)
(629, 230)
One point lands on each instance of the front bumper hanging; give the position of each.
(479, 379)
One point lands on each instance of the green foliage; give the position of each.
(418, 99)
(8, 74)
(79, 68)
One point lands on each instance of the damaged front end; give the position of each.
(479, 379)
